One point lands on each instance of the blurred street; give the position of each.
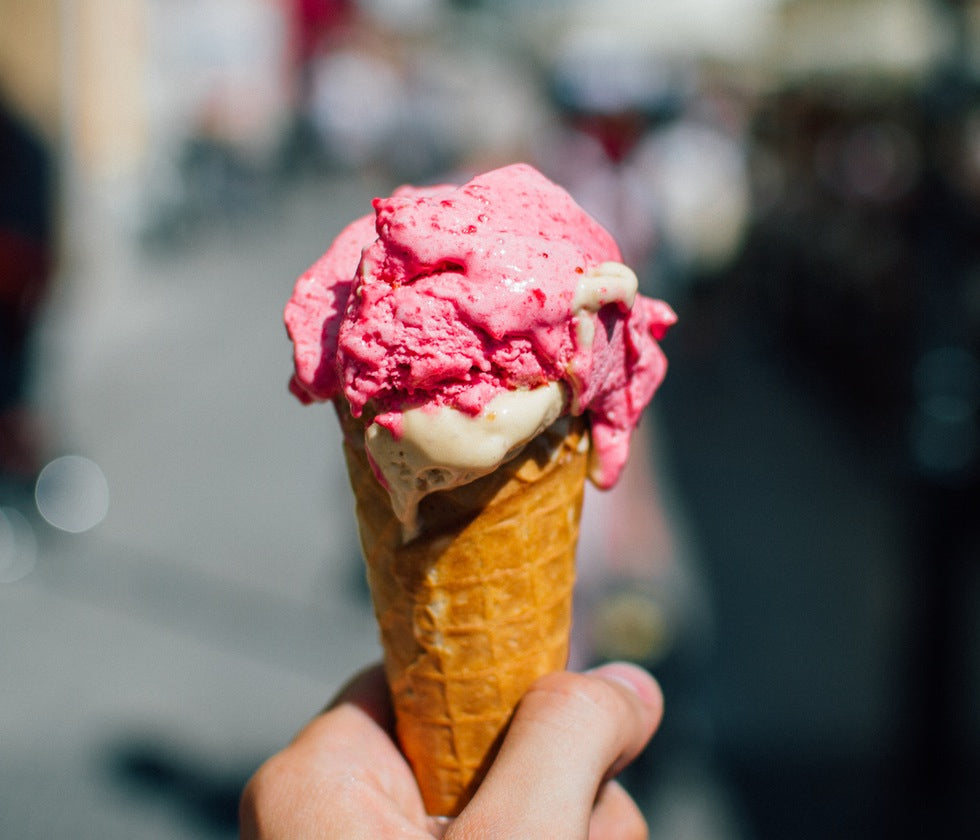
(150, 663)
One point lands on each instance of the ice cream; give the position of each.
(467, 298)
(480, 343)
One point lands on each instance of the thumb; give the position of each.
(570, 733)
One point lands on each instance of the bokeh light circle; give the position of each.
(18, 546)
(72, 494)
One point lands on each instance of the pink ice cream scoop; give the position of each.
(449, 297)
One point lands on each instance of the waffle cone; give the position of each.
(477, 606)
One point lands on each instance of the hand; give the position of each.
(343, 777)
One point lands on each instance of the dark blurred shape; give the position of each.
(203, 792)
(311, 22)
(823, 410)
(831, 260)
(26, 213)
(944, 429)
(617, 95)
(942, 770)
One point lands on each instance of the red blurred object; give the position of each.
(24, 268)
(617, 133)
(311, 21)
(26, 236)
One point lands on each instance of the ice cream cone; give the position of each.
(477, 606)
(463, 320)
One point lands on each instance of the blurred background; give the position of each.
(795, 550)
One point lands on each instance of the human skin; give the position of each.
(343, 777)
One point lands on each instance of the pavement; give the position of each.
(150, 662)
(207, 598)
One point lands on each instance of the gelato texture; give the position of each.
(460, 322)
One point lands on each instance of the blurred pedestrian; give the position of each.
(25, 267)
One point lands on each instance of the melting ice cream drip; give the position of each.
(441, 447)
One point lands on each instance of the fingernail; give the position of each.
(438, 826)
(633, 677)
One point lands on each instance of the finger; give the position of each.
(352, 739)
(616, 816)
(641, 684)
(569, 734)
(368, 691)
(438, 826)
(352, 727)
(341, 776)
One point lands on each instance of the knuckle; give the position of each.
(248, 810)
(576, 697)
(617, 815)
(259, 799)
(634, 825)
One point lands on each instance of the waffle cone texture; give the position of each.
(477, 606)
